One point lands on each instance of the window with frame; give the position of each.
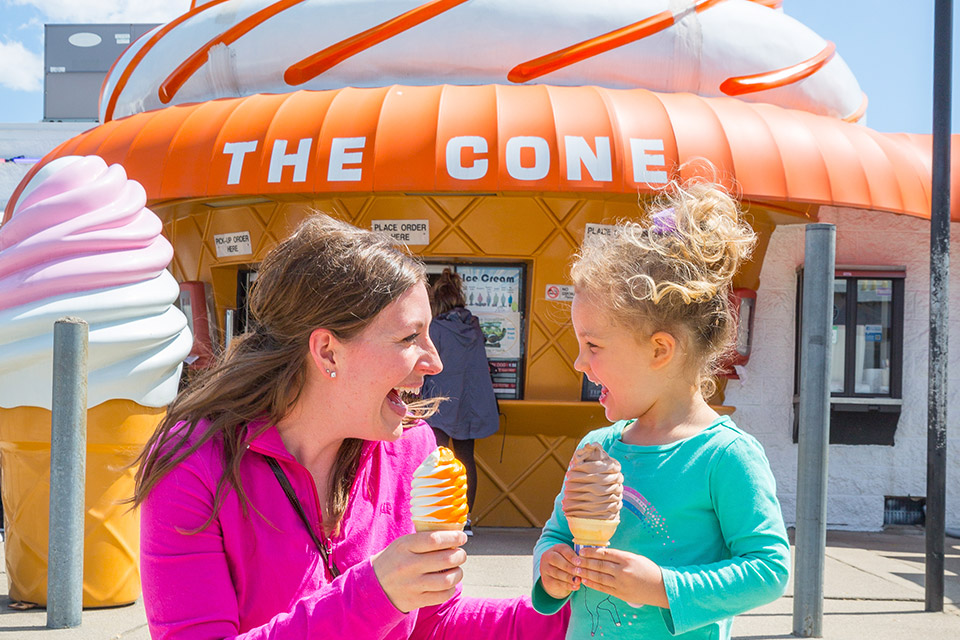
(867, 357)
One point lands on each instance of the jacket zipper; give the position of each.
(364, 456)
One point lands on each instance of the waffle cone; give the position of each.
(588, 532)
(423, 525)
(116, 433)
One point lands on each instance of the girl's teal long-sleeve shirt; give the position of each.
(705, 509)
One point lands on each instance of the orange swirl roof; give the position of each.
(497, 138)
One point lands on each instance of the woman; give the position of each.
(470, 411)
(275, 495)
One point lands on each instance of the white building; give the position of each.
(860, 475)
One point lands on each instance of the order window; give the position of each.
(867, 355)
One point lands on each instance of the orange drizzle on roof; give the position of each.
(526, 71)
(856, 115)
(138, 56)
(740, 85)
(173, 82)
(312, 66)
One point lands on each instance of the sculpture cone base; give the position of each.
(588, 532)
(116, 433)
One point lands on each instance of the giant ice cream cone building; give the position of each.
(490, 135)
(82, 243)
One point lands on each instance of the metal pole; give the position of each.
(939, 299)
(814, 428)
(227, 328)
(68, 448)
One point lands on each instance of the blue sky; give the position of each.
(887, 43)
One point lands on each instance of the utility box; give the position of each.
(77, 58)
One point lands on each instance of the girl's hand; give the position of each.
(557, 566)
(421, 569)
(628, 576)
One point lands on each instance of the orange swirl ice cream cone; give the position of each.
(592, 496)
(438, 497)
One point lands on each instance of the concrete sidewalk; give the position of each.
(873, 589)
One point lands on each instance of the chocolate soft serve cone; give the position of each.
(438, 497)
(592, 496)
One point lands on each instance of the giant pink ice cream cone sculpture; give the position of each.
(81, 243)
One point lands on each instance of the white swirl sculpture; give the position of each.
(81, 243)
(235, 48)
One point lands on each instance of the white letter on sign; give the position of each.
(642, 161)
(541, 158)
(236, 151)
(598, 165)
(339, 157)
(455, 158)
(299, 160)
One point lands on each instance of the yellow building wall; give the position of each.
(521, 467)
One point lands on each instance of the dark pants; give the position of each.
(463, 450)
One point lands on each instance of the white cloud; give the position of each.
(32, 23)
(22, 68)
(131, 11)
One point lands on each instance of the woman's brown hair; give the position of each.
(447, 293)
(327, 274)
(674, 271)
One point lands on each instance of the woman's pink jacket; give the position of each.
(259, 575)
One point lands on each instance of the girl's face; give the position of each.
(612, 356)
(392, 354)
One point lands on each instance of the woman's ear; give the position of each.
(664, 348)
(324, 347)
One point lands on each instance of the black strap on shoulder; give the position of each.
(295, 502)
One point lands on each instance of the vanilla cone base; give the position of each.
(588, 532)
(423, 525)
(116, 433)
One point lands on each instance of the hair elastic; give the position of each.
(664, 221)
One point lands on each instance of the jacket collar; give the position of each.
(270, 444)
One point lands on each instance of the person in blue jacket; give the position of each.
(470, 411)
(701, 535)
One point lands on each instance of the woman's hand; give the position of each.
(421, 569)
(633, 578)
(557, 566)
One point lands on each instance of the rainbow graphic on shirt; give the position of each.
(650, 519)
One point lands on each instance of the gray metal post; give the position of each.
(814, 428)
(939, 303)
(68, 450)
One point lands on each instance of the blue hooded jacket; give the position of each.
(471, 409)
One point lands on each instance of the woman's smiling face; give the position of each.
(391, 355)
(612, 356)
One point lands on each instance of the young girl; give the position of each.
(701, 536)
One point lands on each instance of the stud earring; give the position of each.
(333, 374)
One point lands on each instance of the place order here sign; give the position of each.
(414, 232)
(465, 159)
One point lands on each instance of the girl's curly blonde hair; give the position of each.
(673, 271)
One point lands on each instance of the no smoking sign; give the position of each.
(560, 292)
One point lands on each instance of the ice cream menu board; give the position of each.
(494, 297)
